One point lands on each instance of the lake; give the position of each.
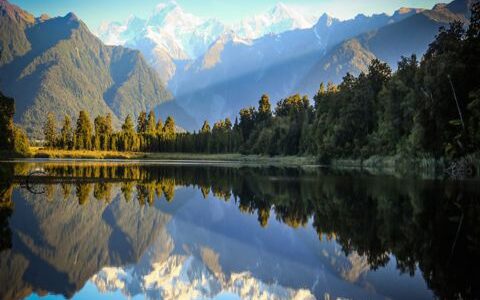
(114, 230)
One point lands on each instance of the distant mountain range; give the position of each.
(234, 72)
(57, 65)
(170, 35)
(212, 70)
(387, 43)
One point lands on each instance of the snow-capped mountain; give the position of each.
(187, 277)
(170, 36)
(279, 19)
(167, 36)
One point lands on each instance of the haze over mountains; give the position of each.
(211, 70)
(280, 52)
(170, 34)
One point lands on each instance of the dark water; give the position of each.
(113, 230)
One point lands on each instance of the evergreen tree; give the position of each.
(83, 132)
(7, 110)
(66, 138)
(169, 128)
(205, 127)
(103, 132)
(264, 108)
(50, 131)
(151, 122)
(159, 127)
(128, 138)
(127, 127)
(142, 122)
(247, 121)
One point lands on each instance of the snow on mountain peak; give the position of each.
(169, 18)
(170, 14)
(279, 19)
(170, 34)
(189, 277)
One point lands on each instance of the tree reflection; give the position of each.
(432, 225)
(6, 206)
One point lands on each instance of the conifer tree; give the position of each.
(142, 122)
(151, 122)
(169, 128)
(127, 127)
(159, 127)
(205, 127)
(66, 138)
(83, 132)
(50, 131)
(264, 108)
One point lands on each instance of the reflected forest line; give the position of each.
(427, 224)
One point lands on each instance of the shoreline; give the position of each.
(39, 154)
(386, 164)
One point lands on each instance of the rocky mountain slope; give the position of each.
(388, 43)
(57, 65)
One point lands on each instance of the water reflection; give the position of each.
(145, 229)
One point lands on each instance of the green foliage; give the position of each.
(7, 110)
(142, 122)
(428, 108)
(50, 131)
(205, 128)
(151, 122)
(169, 128)
(264, 108)
(83, 132)
(14, 141)
(21, 144)
(103, 132)
(68, 70)
(66, 134)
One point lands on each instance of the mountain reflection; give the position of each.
(92, 216)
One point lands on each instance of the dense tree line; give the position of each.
(429, 107)
(148, 135)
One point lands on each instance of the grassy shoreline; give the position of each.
(387, 164)
(230, 157)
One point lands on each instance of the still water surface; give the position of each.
(163, 231)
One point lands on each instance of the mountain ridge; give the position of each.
(388, 43)
(273, 64)
(67, 69)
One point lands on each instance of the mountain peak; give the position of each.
(403, 10)
(166, 6)
(280, 8)
(439, 6)
(43, 17)
(15, 13)
(71, 17)
(325, 20)
(171, 14)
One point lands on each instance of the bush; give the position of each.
(21, 144)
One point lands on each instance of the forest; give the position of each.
(426, 108)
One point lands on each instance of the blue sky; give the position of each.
(93, 12)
